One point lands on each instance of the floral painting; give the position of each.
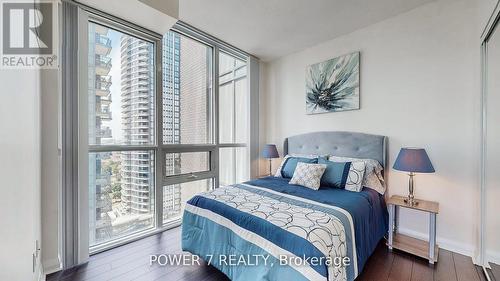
(333, 85)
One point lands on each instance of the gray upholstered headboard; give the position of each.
(346, 144)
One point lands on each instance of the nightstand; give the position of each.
(425, 249)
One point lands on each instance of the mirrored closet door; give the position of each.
(491, 155)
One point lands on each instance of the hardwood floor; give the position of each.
(131, 262)
(494, 272)
(384, 265)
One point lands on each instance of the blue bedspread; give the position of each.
(367, 208)
(228, 221)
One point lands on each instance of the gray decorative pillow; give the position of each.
(373, 177)
(308, 175)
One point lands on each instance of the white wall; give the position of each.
(420, 87)
(486, 8)
(20, 173)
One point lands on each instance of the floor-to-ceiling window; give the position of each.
(234, 104)
(121, 133)
(166, 117)
(187, 117)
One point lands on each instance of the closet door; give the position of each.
(491, 105)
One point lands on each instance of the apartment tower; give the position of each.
(99, 66)
(137, 107)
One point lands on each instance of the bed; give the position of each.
(268, 229)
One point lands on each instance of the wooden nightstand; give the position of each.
(425, 249)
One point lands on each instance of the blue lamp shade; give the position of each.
(270, 151)
(413, 160)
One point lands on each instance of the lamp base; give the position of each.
(410, 201)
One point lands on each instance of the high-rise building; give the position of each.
(181, 57)
(171, 118)
(186, 81)
(99, 66)
(195, 95)
(138, 116)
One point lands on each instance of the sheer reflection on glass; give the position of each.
(233, 165)
(175, 197)
(186, 162)
(187, 87)
(233, 100)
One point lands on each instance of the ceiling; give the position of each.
(270, 29)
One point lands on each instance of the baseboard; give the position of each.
(39, 276)
(447, 244)
(51, 266)
(492, 256)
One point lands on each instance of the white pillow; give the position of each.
(373, 172)
(308, 175)
(355, 176)
(278, 172)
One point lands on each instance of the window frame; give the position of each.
(210, 147)
(87, 15)
(233, 85)
(233, 81)
(96, 18)
(214, 149)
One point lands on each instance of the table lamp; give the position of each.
(413, 160)
(270, 151)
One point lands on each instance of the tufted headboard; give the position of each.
(346, 144)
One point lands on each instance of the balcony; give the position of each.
(102, 65)
(103, 178)
(105, 80)
(104, 94)
(102, 86)
(106, 100)
(103, 201)
(104, 132)
(102, 45)
(104, 113)
(103, 222)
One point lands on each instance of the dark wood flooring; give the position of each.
(494, 272)
(131, 262)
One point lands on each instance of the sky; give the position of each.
(115, 123)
